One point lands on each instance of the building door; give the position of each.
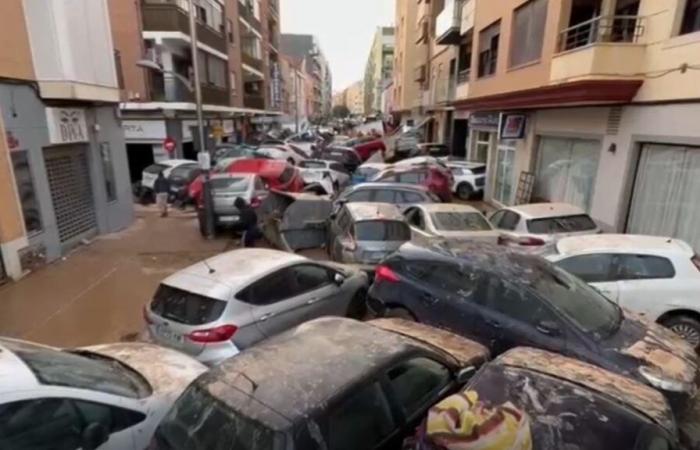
(459, 138)
(666, 192)
(505, 173)
(71, 192)
(140, 156)
(566, 171)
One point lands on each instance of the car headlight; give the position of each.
(659, 380)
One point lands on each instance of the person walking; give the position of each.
(249, 221)
(162, 190)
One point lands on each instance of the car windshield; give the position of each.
(79, 370)
(231, 153)
(186, 307)
(199, 420)
(460, 221)
(155, 169)
(367, 172)
(183, 171)
(582, 304)
(564, 224)
(382, 230)
(312, 165)
(230, 184)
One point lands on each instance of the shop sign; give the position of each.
(66, 125)
(144, 130)
(484, 121)
(12, 141)
(228, 127)
(187, 126)
(512, 126)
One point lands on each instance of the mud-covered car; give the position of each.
(506, 299)
(552, 402)
(327, 384)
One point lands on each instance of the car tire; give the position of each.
(465, 191)
(400, 313)
(686, 327)
(357, 309)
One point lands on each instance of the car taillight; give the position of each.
(531, 242)
(384, 273)
(696, 261)
(146, 317)
(218, 334)
(255, 202)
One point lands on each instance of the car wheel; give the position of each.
(358, 306)
(400, 313)
(686, 327)
(465, 191)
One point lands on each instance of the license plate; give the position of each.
(229, 219)
(169, 335)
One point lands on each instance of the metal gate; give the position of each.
(71, 192)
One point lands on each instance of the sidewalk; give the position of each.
(96, 294)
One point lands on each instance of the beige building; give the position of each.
(406, 99)
(598, 100)
(379, 68)
(355, 98)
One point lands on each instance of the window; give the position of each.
(459, 221)
(465, 61)
(406, 197)
(488, 49)
(285, 284)
(643, 267)
(505, 172)
(416, 383)
(497, 217)
(589, 268)
(412, 178)
(216, 71)
(339, 168)
(509, 221)
(691, 17)
(186, 307)
(502, 297)
(308, 277)
(26, 192)
(482, 144)
(528, 32)
(385, 196)
(566, 224)
(344, 221)
(382, 230)
(360, 196)
(415, 218)
(365, 413)
(229, 31)
(234, 84)
(43, 423)
(108, 172)
(447, 277)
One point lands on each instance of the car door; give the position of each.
(339, 234)
(260, 190)
(595, 269)
(506, 222)
(324, 297)
(416, 220)
(646, 284)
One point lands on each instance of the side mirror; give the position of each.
(338, 279)
(466, 374)
(549, 328)
(94, 435)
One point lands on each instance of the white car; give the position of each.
(538, 226)
(449, 222)
(656, 277)
(283, 152)
(315, 170)
(109, 397)
(469, 178)
(150, 173)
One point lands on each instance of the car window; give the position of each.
(509, 221)
(259, 185)
(411, 197)
(411, 178)
(186, 307)
(40, 424)
(344, 220)
(366, 414)
(384, 196)
(567, 224)
(382, 230)
(339, 168)
(271, 289)
(589, 268)
(312, 165)
(442, 276)
(360, 196)
(415, 218)
(460, 221)
(112, 418)
(229, 184)
(308, 277)
(497, 217)
(155, 169)
(500, 296)
(416, 383)
(643, 267)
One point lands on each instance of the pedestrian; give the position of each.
(162, 191)
(249, 222)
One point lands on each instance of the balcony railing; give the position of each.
(254, 101)
(603, 29)
(448, 23)
(252, 61)
(463, 76)
(421, 73)
(246, 12)
(167, 15)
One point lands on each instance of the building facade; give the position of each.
(64, 176)
(379, 69)
(407, 103)
(597, 100)
(355, 98)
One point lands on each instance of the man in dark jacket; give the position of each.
(162, 191)
(249, 222)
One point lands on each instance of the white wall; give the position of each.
(71, 41)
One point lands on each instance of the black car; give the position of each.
(562, 403)
(331, 384)
(505, 299)
(346, 156)
(180, 179)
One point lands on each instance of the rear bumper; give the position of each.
(211, 355)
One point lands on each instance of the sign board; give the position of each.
(66, 125)
(512, 126)
(484, 121)
(144, 130)
(228, 127)
(204, 159)
(169, 145)
(187, 126)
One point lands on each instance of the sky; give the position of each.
(344, 29)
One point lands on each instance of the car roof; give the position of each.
(15, 375)
(301, 370)
(401, 186)
(266, 167)
(236, 268)
(640, 397)
(623, 243)
(217, 176)
(176, 162)
(448, 207)
(361, 211)
(546, 210)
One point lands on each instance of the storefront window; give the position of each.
(504, 172)
(481, 146)
(108, 172)
(567, 171)
(26, 192)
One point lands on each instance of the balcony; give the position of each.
(176, 92)
(166, 15)
(275, 8)
(246, 12)
(421, 73)
(604, 45)
(254, 101)
(425, 10)
(449, 23)
(462, 89)
(252, 61)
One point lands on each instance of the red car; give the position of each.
(278, 175)
(368, 148)
(433, 178)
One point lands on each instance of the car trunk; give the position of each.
(377, 239)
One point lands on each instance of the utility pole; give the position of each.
(204, 157)
(296, 103)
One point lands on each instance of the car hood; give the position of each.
(643, 343)
(167, 371)
(470, 236)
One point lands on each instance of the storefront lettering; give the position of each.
(66, 125)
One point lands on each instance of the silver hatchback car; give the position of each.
(226, 188)
(225, 304)
(366, 233)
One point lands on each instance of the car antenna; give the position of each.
(211, 269)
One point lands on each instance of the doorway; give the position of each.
(140, 156)
(459, 138)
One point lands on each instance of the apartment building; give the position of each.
(240, 73)
(295, 94)
(379, 69)
(595, 99)
(63, 170)
(407, 103)
(305, 48)
(355, 98)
